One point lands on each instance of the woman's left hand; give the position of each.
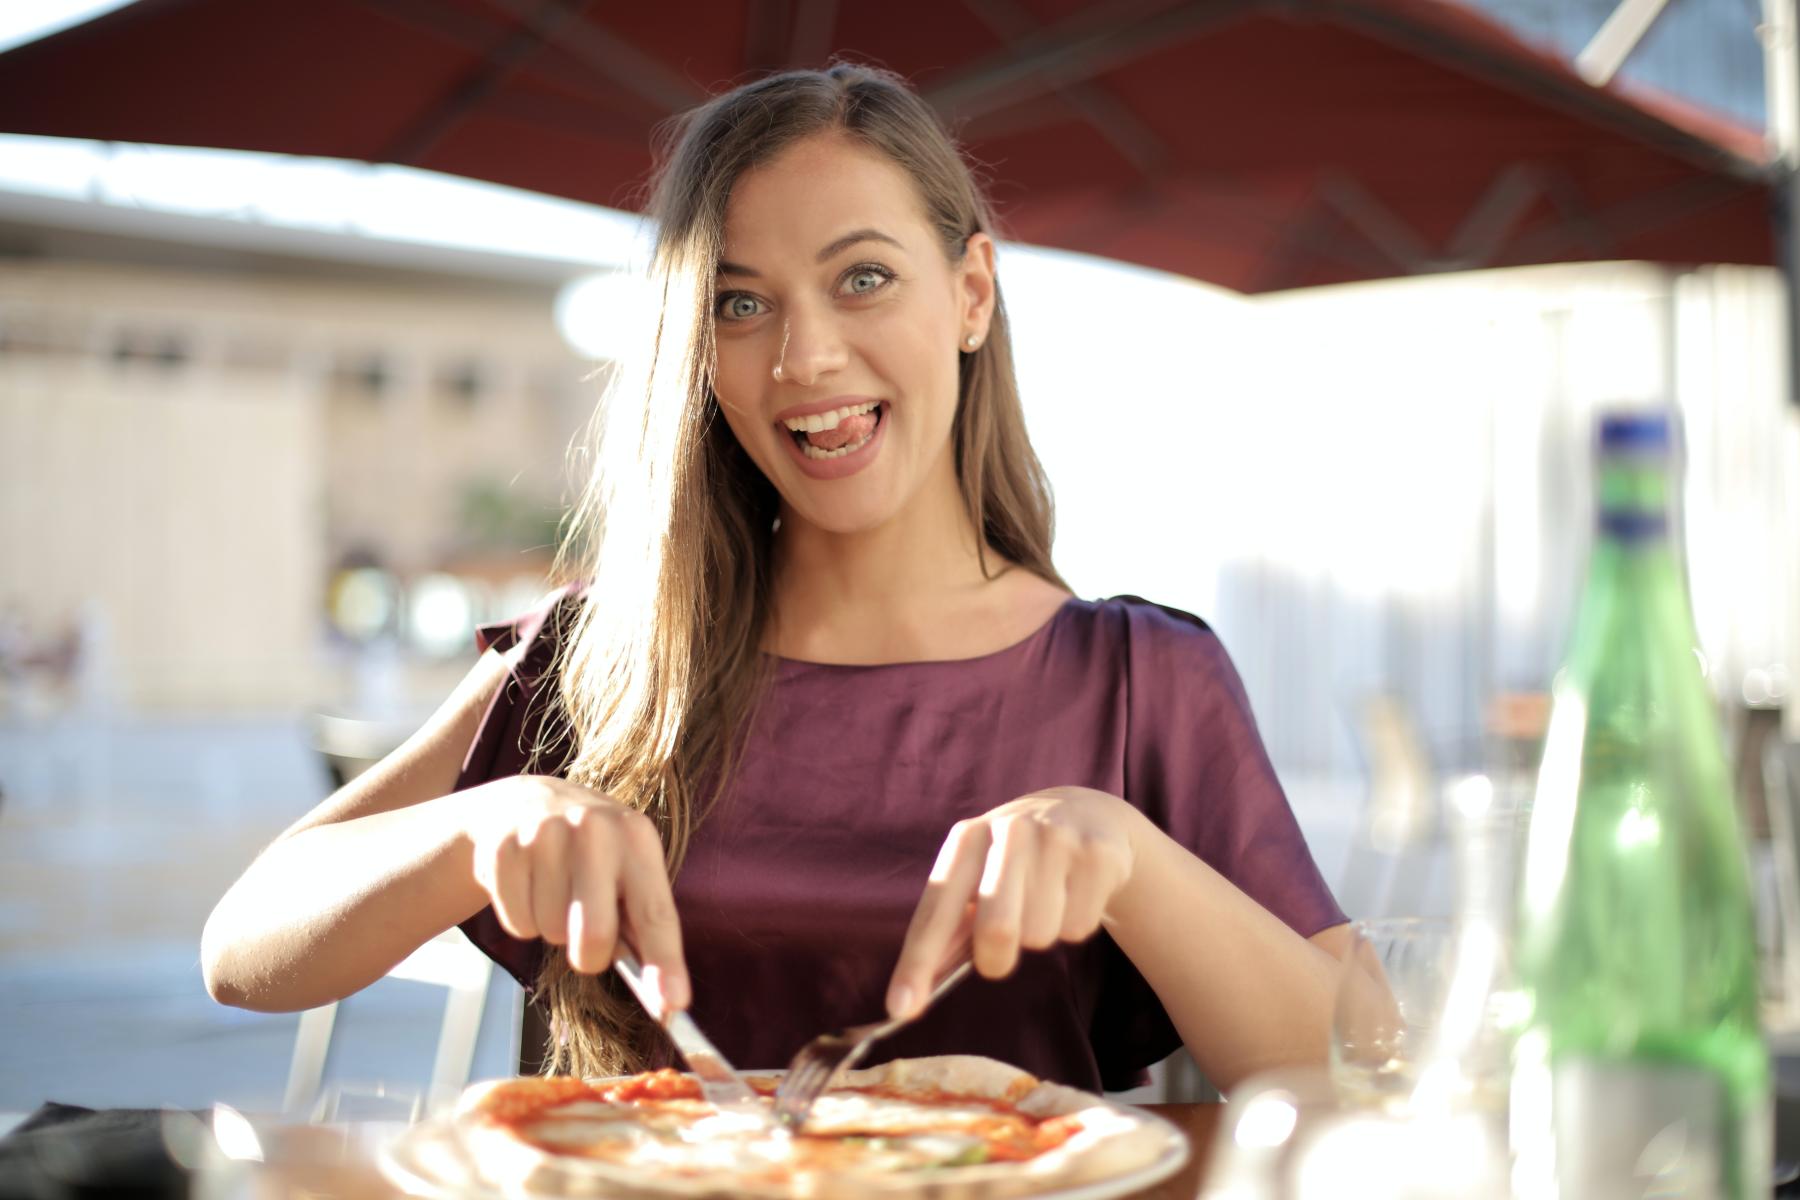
(1029, 874)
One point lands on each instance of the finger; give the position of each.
(549, 855)
(1045, 896)
(509, 888)
(593, 894)
(939, 917)
(650, 911)
(1001, 897)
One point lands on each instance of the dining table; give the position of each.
(1200, 1122)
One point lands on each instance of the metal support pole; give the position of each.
(1781, 74)
(1602, 57)
(1780, 34)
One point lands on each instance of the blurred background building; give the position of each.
(211, 450)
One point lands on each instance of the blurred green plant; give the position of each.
(491, 515)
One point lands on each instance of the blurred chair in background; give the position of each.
(1398, 834)
(1399, 861)
(1516, 724)
(1768, 783)
(1771, 793)
(349, 745)
(448, 961)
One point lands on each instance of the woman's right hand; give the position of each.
(579, 869)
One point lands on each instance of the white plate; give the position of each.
(429, 1160)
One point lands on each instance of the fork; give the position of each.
(822, 1058)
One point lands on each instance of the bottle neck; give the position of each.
(1633, 500)
(1636, 582)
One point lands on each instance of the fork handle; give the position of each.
(950, 979)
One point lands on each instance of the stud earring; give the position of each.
(971, 341)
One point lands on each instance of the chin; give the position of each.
(846, 506)
(850, 518)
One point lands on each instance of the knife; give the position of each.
(719, 1081)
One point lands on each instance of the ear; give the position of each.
(975, 279)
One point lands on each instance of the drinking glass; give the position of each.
(1390, 994)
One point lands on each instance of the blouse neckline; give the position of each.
(1036, 635)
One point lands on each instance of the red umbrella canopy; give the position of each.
(1259, 144)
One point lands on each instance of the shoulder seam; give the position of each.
(1180, 614)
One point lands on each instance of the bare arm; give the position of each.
(394, 858)
(1244, 991)
(375, 871)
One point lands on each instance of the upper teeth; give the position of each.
(820, 422)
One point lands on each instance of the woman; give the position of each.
(823, 675)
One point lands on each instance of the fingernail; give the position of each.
(900, 1001)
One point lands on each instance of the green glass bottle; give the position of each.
(1641, 1070)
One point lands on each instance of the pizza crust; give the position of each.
(1113, 1141)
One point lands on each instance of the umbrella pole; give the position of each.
(1781, 76)
(1602, 57)
(1780, 34)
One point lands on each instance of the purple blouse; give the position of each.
(799, 883)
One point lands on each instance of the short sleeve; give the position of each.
(507, 742)
(1196, 765)
(528, 628)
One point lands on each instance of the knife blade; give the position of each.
(719, 1080)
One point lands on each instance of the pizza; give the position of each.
(957, 1127)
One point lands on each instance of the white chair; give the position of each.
(1773, 827)
(449, 961)
(1395, 850)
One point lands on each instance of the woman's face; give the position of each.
(839, 321)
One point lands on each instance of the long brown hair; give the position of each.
(662, 667)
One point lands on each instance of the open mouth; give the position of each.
(825, 436)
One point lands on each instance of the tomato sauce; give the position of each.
(666, 1084)
(517, 1106)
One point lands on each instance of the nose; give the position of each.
(812, 347)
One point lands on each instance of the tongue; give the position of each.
(849, 431)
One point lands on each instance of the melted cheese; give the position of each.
(846, 1131)
(841, 1113)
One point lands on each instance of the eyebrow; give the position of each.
(838, 247)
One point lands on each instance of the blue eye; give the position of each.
(861, 281)
(738, 306)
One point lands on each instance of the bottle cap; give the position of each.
(1648, 431)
